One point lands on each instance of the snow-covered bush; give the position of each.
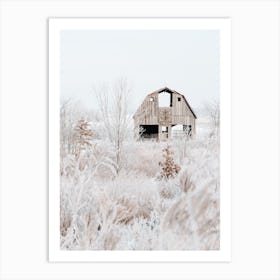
(169, 169)
(143, 158)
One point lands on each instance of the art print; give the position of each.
(139, 144)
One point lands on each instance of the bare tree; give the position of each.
(212, 111)
(138, 132)
(70, 113)
(113, 106)
(66, 122)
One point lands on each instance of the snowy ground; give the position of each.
(135, 210)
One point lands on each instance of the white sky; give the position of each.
(186, 61)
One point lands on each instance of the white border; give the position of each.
(221, 24)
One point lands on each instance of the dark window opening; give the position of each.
(187, 129)
(179, 99)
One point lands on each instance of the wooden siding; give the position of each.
(149, 113)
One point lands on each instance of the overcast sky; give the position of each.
(186, 61)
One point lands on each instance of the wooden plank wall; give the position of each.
(150, 113)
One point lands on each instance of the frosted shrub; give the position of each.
(96, 210)
(142, 158)
(194, 223)
(83, 136)
(169, 189)
(67, 165)
(169, 169)
(134, 209)
(142, 234)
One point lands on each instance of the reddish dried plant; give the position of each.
(169, 169)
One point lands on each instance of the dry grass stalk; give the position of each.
(186, 182)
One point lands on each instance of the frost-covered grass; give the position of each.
(134, 209)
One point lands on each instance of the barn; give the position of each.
(164, 114)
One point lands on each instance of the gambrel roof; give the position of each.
(166, 89)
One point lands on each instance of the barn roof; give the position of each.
(166, 89)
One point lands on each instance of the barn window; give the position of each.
(179, 99)
(152, 99)
(165, 99)
(187, 129)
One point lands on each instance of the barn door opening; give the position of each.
(149, 131)
(180, 130)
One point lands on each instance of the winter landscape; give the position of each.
(119, 192)
(122, 188)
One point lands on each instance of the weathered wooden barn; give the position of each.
(164, 114)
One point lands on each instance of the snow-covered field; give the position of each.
(133, 207)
